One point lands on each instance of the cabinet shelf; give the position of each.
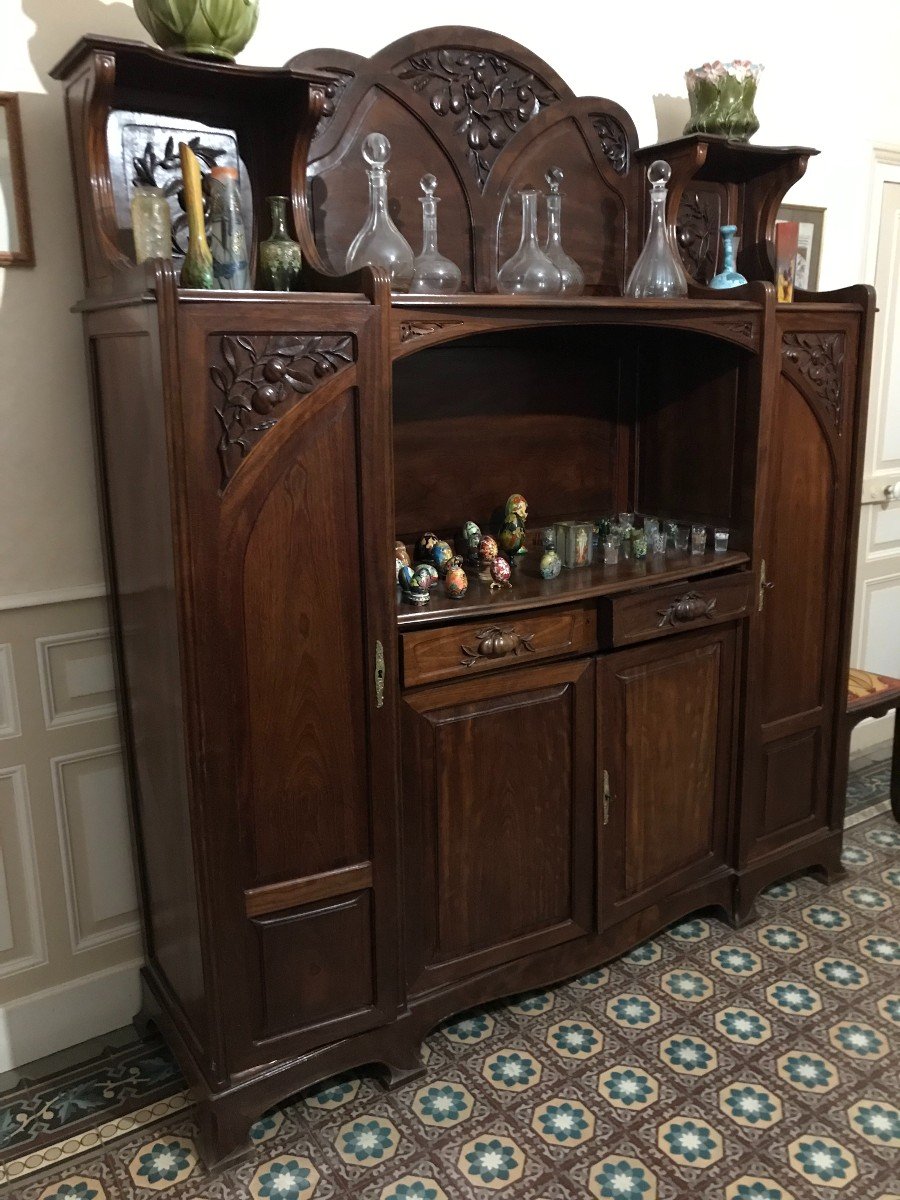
(529, 590)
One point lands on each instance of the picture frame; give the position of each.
(16, 241)
(809, 244)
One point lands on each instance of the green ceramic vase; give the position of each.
(201, 28)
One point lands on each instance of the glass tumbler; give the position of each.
(720, 540)
(698, 539)
(681, 537)
(610, 552)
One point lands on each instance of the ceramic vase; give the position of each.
(200, 28)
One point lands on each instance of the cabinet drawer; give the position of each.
(640, 616)
(459, 651)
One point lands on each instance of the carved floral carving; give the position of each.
(258, 375)
(163, 170)
(819, 359)
(332, 93)
(613, 141)
(689, 607)
(698, 227)
(410, 330)
(489, 98)
(497, 642)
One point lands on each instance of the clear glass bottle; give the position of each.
(379, 242)
(227, 236)
(658, 271)
(151, 223)
(571, 274)
(280, 260)
(433, 272)
(529, 272)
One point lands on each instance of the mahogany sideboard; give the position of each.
(353, 817)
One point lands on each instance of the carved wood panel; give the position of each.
(700, 214)
(815, 362)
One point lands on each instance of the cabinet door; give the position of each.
(288, 417)
(797, 686)
(498, 799)
(664, 767)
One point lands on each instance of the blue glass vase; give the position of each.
(728, 277)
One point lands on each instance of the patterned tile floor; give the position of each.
(751, 1065)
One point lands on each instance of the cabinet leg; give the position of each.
(830, 869)
(224, 1131)
(402, 1068)
(743, 910)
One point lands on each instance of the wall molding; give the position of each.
(72, 1012)
(82, 940)
(54, 716)
(37, 953)
(9, 700)
(88, 591)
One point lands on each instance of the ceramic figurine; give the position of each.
(471, 536)
(415, 590)
(424, 546)
(551, 565)
(441, 556)
(512, 531)
(429, 573)
(456, 581)
(487, 552)
(500, 573)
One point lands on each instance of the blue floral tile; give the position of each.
(512, 1070)
(889, 1007)
(877, 1122)
(575, 1039)
(633, 1011)
(76, 1187)
(690, 986)
(284, 1178)
(735, 960)
(823, 1160)
(794, 998)
(619, 1177)
(885, 839)
(643, 956)
(690, 1142)
(840, 973)
(751, 1106)
(266, 1128)
(745, 1026)
(562, 1122)
(443, 1104)
(808, 1072)
(826, 917)
(781, 892)
(531, 1004)
(333, 1094)
(858, 1040)
(688, 1055)
(492, 1162)
(880, 949)
(757, 1187)
(892, 877)
(413, 1187)
(469, 1030)
(159, 1164)
(628, 1088)
(868, 899)
(784, 939)
(367, 1141)
(856, 856)
(696, 930)
(592, 979)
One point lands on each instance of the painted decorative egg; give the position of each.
(428, 575)
(405, 576)
(401, 553)
(470, 532)
(442, 556)
(456, 581)
(551, 565)
(487, 549)
(415, 586)
(424, 547)
(500, 573)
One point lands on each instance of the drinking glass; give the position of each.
(720, 540)
(698, 539)
(681, 537)
(610, 552)
(658, 543)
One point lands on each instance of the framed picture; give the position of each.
(16, 248)
(809, 244)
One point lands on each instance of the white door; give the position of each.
(876, 626)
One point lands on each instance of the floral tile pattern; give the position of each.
(752, 1065)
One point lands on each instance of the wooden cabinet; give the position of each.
(498, 801)
(664, 767)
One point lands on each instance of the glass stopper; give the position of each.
(428, 183)
(554, 178)
(659, 173)
(376, 150)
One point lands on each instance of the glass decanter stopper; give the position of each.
(571, 274)
(728, 277)
(379, 242)
(658, 271)
(433, 272)
(529, 272)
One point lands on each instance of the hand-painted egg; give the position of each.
(424, 546)
(487, 549)
(456, 581)
(401, 554)
(427, 575)
(405, 576)
(470, 531)
(551, 565)
(442, 556)
(500, 573)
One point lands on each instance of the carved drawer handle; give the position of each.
(495, 642)
(689, 607)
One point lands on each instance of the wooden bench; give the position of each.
(871, 695)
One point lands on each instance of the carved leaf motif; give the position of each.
(409, 330)
(698, 226)
(489, 98)
(332, 91)
(259, 375)
(613, 141)
(819, 359)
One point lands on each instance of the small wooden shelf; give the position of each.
(530, 591)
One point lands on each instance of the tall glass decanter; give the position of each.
(658, 271)
(379, 242)
(529, 272)
(433, 272)
(571, 274)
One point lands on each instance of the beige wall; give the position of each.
(830, 81)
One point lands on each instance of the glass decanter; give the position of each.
(379, 242)
(658, 271)
(529, 272)
(571, 274)
(433, 272)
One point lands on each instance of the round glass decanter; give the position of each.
(658, 271)
(571, 274)
(433, 272)
(379, 242)
(529, 272)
